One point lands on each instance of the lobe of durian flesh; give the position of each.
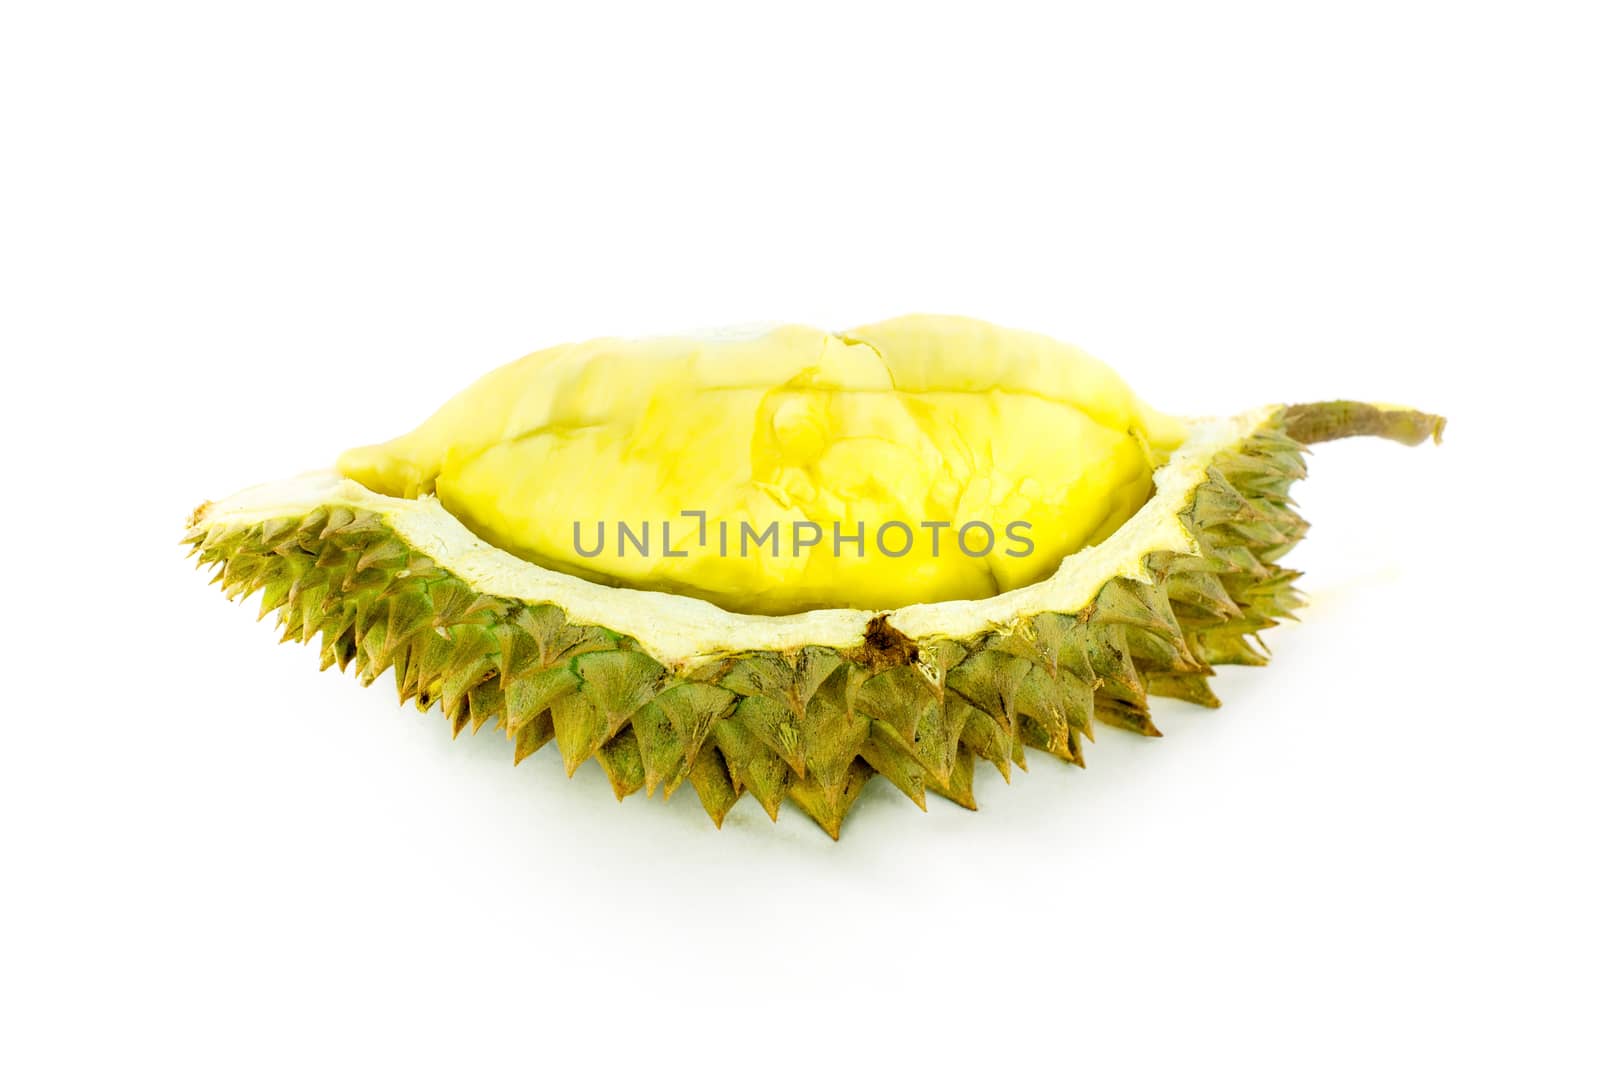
(920, 420)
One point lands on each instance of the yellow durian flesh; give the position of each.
(921, 421)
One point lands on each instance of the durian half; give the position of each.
(967, 541)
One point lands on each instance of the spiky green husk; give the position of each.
(813, 724)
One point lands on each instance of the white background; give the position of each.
(237, 239)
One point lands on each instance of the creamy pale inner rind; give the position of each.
(968, 460)
(680, 630)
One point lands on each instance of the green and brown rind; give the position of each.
(809, 725)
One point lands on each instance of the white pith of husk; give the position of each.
(679, 630)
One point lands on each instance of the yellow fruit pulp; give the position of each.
(918, 421)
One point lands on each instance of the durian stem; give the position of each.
(1330, 420)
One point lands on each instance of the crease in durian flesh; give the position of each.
(921, 421)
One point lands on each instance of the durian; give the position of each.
(462, 557)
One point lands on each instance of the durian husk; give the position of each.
(920, 696)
